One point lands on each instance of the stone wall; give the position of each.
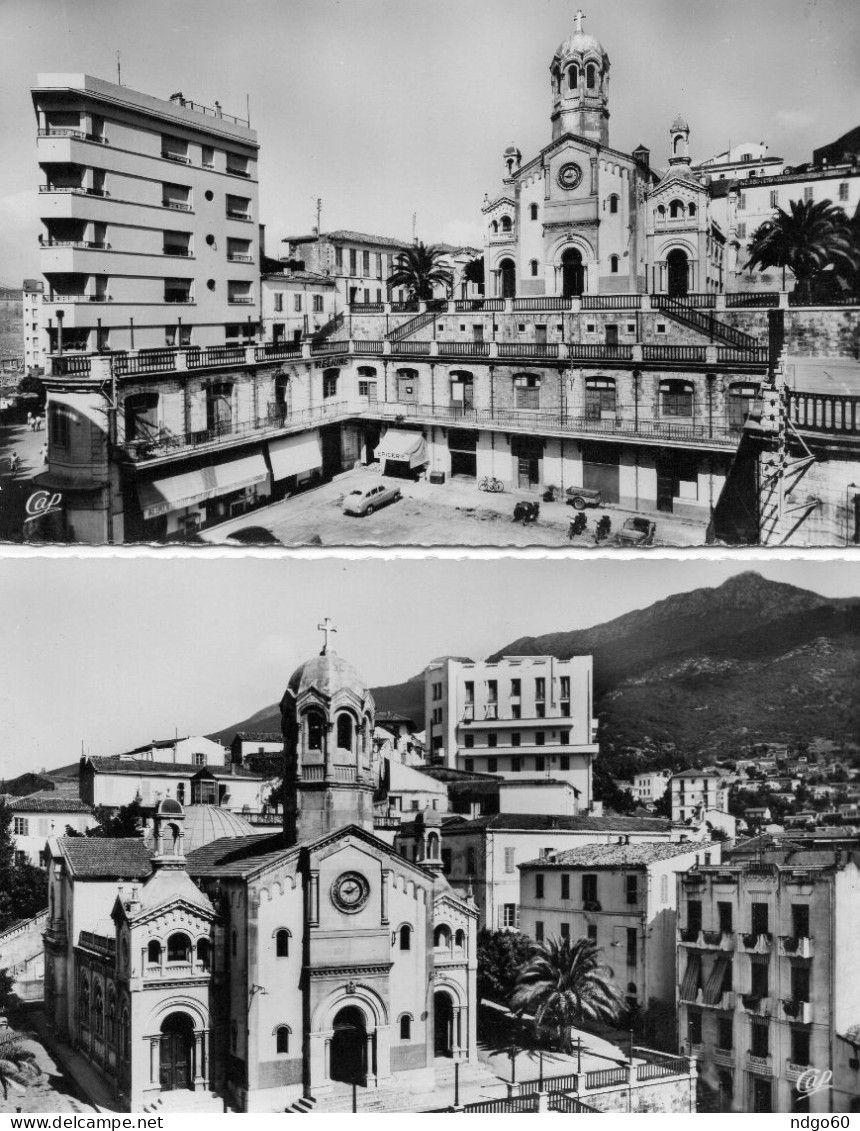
(676, 1095)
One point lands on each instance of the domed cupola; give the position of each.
(580, 86)
(679, 142)
(327, 718)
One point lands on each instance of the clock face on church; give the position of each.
(350, 892)
(569, 175)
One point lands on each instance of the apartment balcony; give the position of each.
(752, 943)
(234, 214)
(761, 1065)
(793, 1072)
(725, 1058)
(791, 946)
(798, 1011)
(69, 147)
(726, 1001)
(180, 158)
(706, 940)
(176, 206)
(824, 413)
(235, 257)
(72, 190)
(240, 300)
(756, 1006)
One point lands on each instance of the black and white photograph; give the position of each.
(381, 273)
(594, 852)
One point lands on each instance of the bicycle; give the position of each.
(490, 483)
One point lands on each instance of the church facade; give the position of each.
(261, 970)
(583, 218)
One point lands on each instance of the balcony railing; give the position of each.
(147, 361)
(550, 302)
(176, 206)
(673, 353)
(795, 947)
(233, 214)
(234, 172)
(240, 300)
(184, 251)
(760, 1064)
(81, 245)
(795, 299)
(215, 355)
(54, 297)
(816, 412)
(752, 299)
(460, 349)
(178, 296)
(724, 1057)
(600, 351)
(77, 190)
(275, 350)
(237, 257)
(528, 349)
(367, 347)
(180, 157)
(756, 942)
(102, 943)
(611, 302)
(757, 1006)
(800, 1011)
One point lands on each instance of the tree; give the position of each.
(23, 886)
(501, 954)
(811, 236)
(563, 984)
(605, 790)
(473, 272)
(127, 821)
(17, 1064)
(419, 269)
(663, 805)
(33, 384)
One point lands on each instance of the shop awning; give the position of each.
(295, 455)
(404, 447)
(177, 491)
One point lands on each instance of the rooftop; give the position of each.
(106, 857)
(615, 855)
(258, 736)
(116, 764)
(546, 822)
(50, 803)
(343, 235)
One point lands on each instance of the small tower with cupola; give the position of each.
(327, 717)
(679, 142)
(579, 74)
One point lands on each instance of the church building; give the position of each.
(257, 972)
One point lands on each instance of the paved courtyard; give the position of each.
(49, 1090)
(455, 513)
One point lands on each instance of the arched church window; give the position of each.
(405, 937)
(442, 936)
(179, 948)
(506, 223)
(573, 77)
(98, 1011)
(676, 209)
(282, 1038)
(204, 953)
(316, 730)
(661, 211)
(433, 846)
(494, 227)
(533, 267)
(591, 76)
(84, 1002)
(613, 264)
(460, 940)
(406, 1027)
(533, 211)
(613, 203)
(691, 209)
(282, 943)
(677, 143)
(344, 732)
(153, 953)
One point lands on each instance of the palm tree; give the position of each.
(563, 984)
(419, 268)
(812, 235)
(17, 1065)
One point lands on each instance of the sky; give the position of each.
(112, 652)
(389, 108)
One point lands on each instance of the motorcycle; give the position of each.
(526, 513)
(604, 528)
(578, 526)
(490, 483)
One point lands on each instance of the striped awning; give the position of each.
(177, 491)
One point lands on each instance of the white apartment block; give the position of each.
(526, 716)
(650, 786)
(34, 350)
(767, 987)
(620, 896)
(694, 792)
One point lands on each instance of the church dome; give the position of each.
(580, 43)
(169, 807)
(206, 823)
(327, 674)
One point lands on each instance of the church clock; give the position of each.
(350, 892)
(569, 175)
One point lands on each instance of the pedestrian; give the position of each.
(30, 421)
(14, 460)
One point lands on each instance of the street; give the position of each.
(455, 513)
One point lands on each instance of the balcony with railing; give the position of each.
(724, 1057)
(754, 942)
(756, 1006)
(74, 134)
(792, 946)
(100, 944)
(763, 1065)
(793, 1071)
(800, 1012)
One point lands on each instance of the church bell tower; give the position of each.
(327, 719)
(580, 86)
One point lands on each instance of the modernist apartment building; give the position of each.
(526, 716)
(694, 792)
(34, 346)
(620, 896)
(767, 982)
(483, 853)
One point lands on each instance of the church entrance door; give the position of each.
(348, 1046)
(678, 283)
(443, 1010)
(508, 278)
(573, 273)
(176, 1063)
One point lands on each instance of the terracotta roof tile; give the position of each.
(106, 857)
(615, 855)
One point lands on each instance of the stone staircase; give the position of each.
(412, 326)
(704, 323)
(184, 1100)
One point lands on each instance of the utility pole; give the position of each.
(319, 213)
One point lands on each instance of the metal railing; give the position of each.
(404, 307)
(147, 361)
(673, 353)
(215, 355)
(271, 351)
(367, 307)
(611, 302)
(584, 351)
(87, 245)
(752, 299)
(178, 157)
(757, 355)
(232, 214)
(605, 1077)
(71, 365)
(184, 251)
(696, 300)
(176, 206)
(102, 943)
(549, 302)
(240, 300)
(237, 257)
(795, 299)
(529, 349)
(367, 347)
(406, 348)
(514, 1104)
(463, 349)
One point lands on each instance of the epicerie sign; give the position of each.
(41, 503)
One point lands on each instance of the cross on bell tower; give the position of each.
(325, 628)
(577, 21)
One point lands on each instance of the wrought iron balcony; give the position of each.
(795, 947)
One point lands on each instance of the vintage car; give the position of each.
(636, 532)
(370, 497)
(581, 497)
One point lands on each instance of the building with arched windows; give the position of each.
(261, 971)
